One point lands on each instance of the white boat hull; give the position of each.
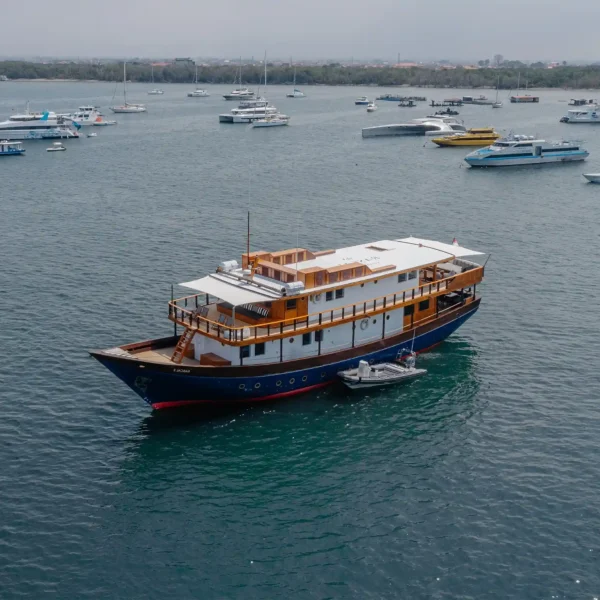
(272, 123)
(533, 160)
(54, 133)
(592, 177)
(128, 109)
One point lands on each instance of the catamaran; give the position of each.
(286, 322)
(127, 107)
(37, 126)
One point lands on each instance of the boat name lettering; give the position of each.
(181, 371)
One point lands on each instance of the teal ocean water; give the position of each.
(480, 480)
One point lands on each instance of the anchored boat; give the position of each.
(281, 323)
(483, 136)
(11, 148)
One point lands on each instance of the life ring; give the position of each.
(317, 297)
(364, 324)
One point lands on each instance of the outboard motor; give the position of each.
(364, 369)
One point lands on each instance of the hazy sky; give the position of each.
(467, 29)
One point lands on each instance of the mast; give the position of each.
(125, 82)
(497, 88)
(152, 74)
(196, 79)
(265, 72)
(519, 82)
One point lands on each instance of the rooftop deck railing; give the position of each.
(190, 317)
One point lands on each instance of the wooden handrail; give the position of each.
(407, 296)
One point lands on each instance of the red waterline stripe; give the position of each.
(176, 403)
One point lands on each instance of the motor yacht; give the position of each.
(362, 101)
(198, 93)
(371, 107)
(83, 116)
(425, 126)
(525, 150)
(247, 115)
(592, 177)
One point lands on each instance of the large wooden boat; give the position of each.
(287, 322)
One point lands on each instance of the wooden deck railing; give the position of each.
(188, 316)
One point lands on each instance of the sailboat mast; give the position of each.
(125, 82)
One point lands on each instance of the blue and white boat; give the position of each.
(37, 126)
(11, 148)
(517, 150)
(361, 101)
(286, 322)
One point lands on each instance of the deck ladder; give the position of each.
(182, 345)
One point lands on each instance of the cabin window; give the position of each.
(423, 305)
(289, 258)
(412, 275)
(409, 310)
(402, 277)
(290, 278)
(339, 294)
(328, 296)
(347, 274)
(307, 339)
(244, 351)
(276, 275)
(290, 305)
(319, 336)
(333, 277)
(319, 278)
(259, 349)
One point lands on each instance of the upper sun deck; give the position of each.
(294, 271)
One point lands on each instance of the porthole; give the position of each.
(242, 386)
(278, 384)
(291, 340)
(362, 285)
(374, 321)
(387, 318)
(305, 378)
(256, 386)
(292, 381)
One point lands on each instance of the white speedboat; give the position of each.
(378, 375)
(56, 147)
(83, 116)
(371, 107)
(426, 126)
(92, 135)
(592, 177)
(517, 150)
(361, 101)
(127, 107)
(239, 94)
(276, 120)
(156, 92)
(103, 123)
(36, 126)
(11, 148)
(198, 93)
(590, 114)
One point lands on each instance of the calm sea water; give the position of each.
(479, 481)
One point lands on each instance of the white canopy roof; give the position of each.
(231, 290)
(455, 249)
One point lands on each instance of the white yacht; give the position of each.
(426, 126)
(126, 107)
(240, 92)
(275, 120)
(254, 103)
(516, 150)
(371, 107)
(83, 116)
(592, 177)
(247, 115)
(198, 92)
(588, 114)
(36, 126)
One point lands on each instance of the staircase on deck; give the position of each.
(182, 345)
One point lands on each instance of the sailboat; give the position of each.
(497, 103)
(296, 93)
(270, 119)
(239, 93)
(198, 92)
(155, 91)
(126, 107)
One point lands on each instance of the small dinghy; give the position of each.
(56, 147)
(368, 376)
(92, 135)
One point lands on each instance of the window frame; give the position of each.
(422, 302)
(262, 347)
(339, 294)
(319, 335)
(328, 296)
(307, 336)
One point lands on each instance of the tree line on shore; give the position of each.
(581, 77)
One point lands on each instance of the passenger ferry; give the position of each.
(483, 136)
(582, 115)
(11, 148)
(524, 150)
(36, 126)
(287, 322)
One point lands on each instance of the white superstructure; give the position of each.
(247, 115)
(83, 116)
(425, 126)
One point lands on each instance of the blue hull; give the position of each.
(167, 386)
